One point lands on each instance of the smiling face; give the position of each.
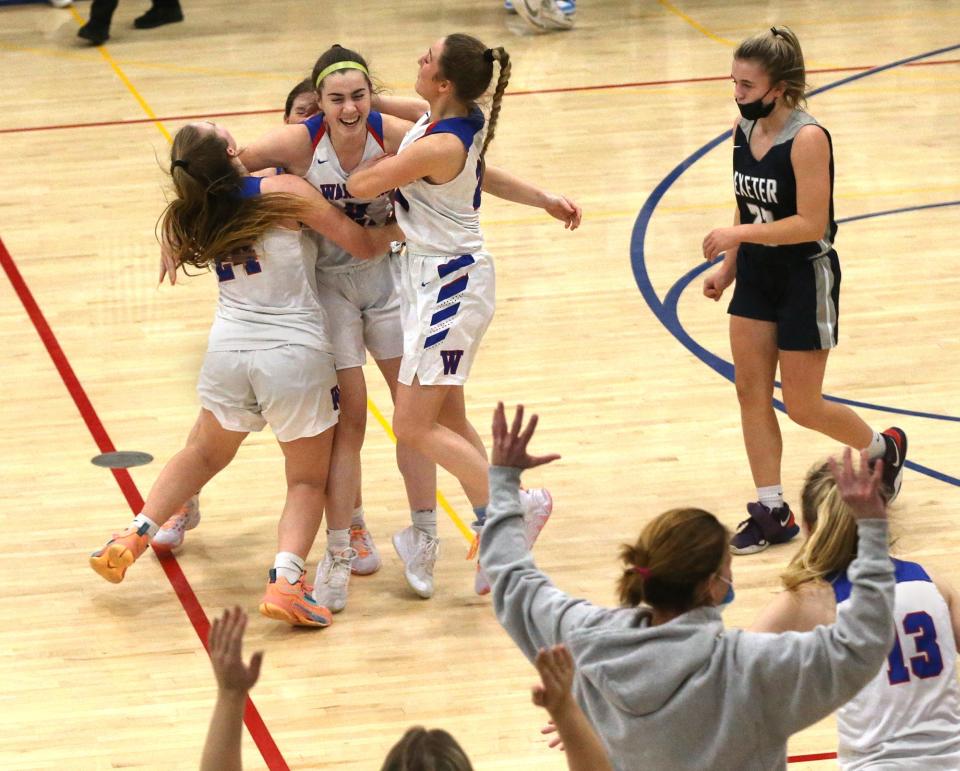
(345, 100)
(429, 79)
(751, 82)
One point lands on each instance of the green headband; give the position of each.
(340, 66)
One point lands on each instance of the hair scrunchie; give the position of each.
(644, 573)
(181, 164)
(488, 55)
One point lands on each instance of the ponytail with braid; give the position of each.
(501, 56)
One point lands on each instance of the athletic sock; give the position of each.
(140, 520)
(425, 520)
(877, 447)
(338, 540)
(288, 565)
(357, 519)
(771, 497)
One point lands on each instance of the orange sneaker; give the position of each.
(121, 552)
(367, 560)
(292, 603)
(171, 533)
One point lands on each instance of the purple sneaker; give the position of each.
(763, 528)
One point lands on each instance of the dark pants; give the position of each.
(101, 11)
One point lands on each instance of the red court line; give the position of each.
(814, 756)
(532, 92)
(255, 725)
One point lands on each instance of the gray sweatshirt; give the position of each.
(690, 694)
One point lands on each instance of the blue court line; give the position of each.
(666, 311)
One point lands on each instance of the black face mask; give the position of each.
(756, 110)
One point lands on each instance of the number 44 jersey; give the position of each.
(908, 716)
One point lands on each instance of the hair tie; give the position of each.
(181, 163)
(644, 573)
(339, 66)
(488, 55)
(774, 31)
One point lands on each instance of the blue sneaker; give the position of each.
(568, 7)
(764, 528)
(508, 6)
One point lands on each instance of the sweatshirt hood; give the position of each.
(638, 668)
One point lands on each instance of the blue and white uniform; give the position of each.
(269, 356)
(447, 279)
(359, 295)
(908, 716)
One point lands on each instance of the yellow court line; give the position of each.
(126, 81)
(441, 498)
(694, 23)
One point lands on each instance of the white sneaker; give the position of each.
(61, 3)
(367, 560)
(419, 552)
(543, 15)
(537, 507)
(333, 577)
(171, 535)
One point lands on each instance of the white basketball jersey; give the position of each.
(327, 175)
(908, 716)
(444, 220)
(270, 299)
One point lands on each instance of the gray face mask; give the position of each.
(757, 109)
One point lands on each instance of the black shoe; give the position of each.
(893, 459)
(763, 528)
(157, 17)
(94, 33)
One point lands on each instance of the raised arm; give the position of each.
(509, 187)
(801, 678)
(438, 156)
(407, 108)
(584, 750)
(286, 146)
(330, 222)
(534, 612)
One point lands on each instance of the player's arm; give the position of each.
(285, 146)
(408, 108)
(505, 185)
(437, 156)
(952, 598)
(330, 222)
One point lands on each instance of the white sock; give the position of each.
(140, 520)
(338, 540)
(425, 520)
(877, 447)
(771, 497)
(357, 519)
(288, 565)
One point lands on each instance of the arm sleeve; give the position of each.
(531, 609)
(803, 677)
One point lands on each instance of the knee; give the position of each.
(352, 421)
(408, 430)
(803, 413)
(752, 394)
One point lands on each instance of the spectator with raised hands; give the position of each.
(654, 672)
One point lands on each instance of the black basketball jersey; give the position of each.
(766, 189)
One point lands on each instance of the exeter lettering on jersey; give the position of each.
(761, 189)
(451, 360)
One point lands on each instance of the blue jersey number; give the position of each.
(928, 662)
(245, 256)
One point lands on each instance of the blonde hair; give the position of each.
(778, 51)
(673, 555)
(208, 221)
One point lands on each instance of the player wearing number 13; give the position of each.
(908, 715)
(786, 302)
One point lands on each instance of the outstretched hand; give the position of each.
(555, 692)
(168, 264)
(861, 490)
(564, 209)
(224, 643)
(510, 446)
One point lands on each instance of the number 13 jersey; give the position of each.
(908, 716)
